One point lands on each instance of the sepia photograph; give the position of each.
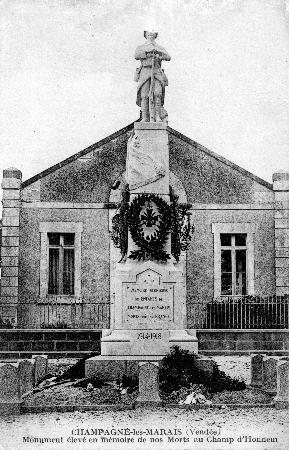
(144, 224)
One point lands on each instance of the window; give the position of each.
(233, 264)
(233, 258)
(60, 260)
(61, 263)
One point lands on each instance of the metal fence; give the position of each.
(87, 313)
(239, 313)
(57, 312)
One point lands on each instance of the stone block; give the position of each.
(10, 241)
(9, 291)
(10, 203)
(282, 262)
(26, 379)
(282, 281)
(281, 237)
(10, 231)
(282, 272)
(269, 380)
(11, 194)
(9, 251)
(9, 271)
(257, 369)
(281, 197)
(9, 281)
(10, 261)
(9, 389)
(10, 221)
(148, 384)
(282, 398)
(282, 290)
(40, 367)
(12, 172)
(11, 183)
(10, 212)
(281, 223)
(281, 213)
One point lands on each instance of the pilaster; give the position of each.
(11, 185)
(281, 193)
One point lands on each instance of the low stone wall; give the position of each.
(59, 343)
(55, 343)
(226, 342)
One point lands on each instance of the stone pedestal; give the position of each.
(148, 308)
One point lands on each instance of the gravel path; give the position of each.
(180, 427)
(215, 429)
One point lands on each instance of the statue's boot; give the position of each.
(158, 105)
(145, 110)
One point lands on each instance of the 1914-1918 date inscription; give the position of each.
(150, 336)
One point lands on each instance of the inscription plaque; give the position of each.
(148, 303)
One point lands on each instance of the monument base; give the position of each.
(147, 342)
(122, 351)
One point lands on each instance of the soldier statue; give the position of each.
(151, 79)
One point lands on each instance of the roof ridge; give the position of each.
(128, 128)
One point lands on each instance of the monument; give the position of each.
(152, 231)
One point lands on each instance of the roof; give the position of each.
(129, 128)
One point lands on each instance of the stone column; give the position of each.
(281, 194)
(282, 398)
(269, 380)
(257, 369)
(11, 186)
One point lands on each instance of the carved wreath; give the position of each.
(149, 211)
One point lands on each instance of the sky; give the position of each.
(67, 68)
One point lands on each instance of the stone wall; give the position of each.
(94, 250)
(200, 256)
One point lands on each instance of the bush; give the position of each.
(179, 370)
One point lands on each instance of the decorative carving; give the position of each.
(149, 235)
(141, 168)
(151, 79)
(150, 220)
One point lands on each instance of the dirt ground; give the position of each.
(147, 428)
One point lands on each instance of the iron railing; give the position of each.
(237, 312)
(87, 313)
(57, 312)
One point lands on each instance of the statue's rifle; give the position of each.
(151, 91)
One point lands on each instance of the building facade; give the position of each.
(58, 259)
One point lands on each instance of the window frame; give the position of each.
(234, 228)
(59, 227)
(233, 248)
(61, 247)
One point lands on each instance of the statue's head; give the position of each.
(150, 35)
